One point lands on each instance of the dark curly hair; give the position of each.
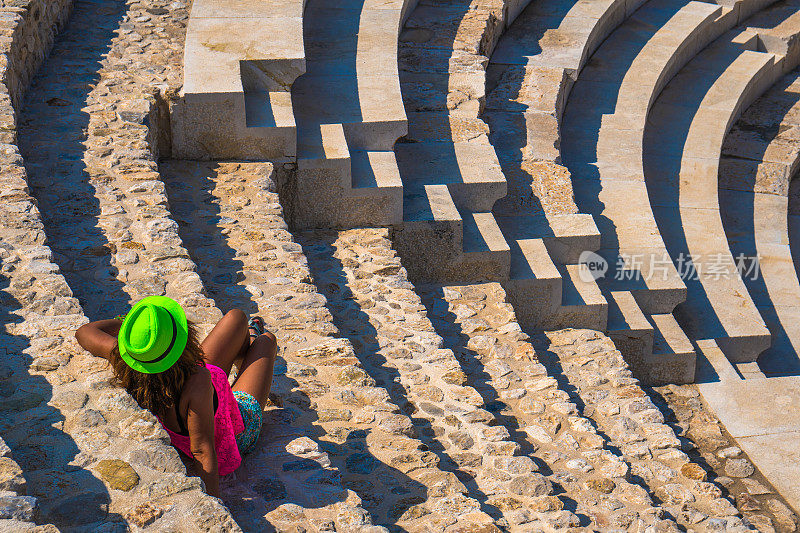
(158, 392)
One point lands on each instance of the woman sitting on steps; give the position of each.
(156, 357)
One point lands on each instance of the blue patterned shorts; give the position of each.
(251, 415)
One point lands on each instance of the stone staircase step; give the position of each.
(459, 244)
(565, 236)
(348, 107)
(545, 294)
(534, 286)
(484, 242)
(265, 109)
(754, 204)
(450, 171)
(674, 358)
(340, 187)
(656, 348)
(240, 61)
(582, 302)
(371, 120)
(375, 172)
(632, 333)
(470, 171)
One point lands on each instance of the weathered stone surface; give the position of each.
(144, 514)
(118, 474)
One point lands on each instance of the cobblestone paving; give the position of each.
(374, 305)
(715, 449)
(90, 139)
(232, 223)
(477, 323)
(84, 137)
(481, 328)
(590, 365)
(90, 456)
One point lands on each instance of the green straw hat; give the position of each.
(153, 335)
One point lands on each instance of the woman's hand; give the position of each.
(100, 337)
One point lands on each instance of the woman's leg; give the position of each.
(255, 376)
(228, 340)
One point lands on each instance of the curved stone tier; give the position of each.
(614, 94)
(682, 153)
(240, 61)
(453, 179)
(761, 157)
(535, 66)
(451, 176)
(349, 114)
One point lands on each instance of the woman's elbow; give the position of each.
(204, 453)
(80, 335)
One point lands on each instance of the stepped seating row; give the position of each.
(539, 59)
(616, 91)
(761, 156)
(452, 177)
(300, 81)
(530, 75)
(349, 115)
(240, 61)
(683, 146)
(450, 173)
(614, 95)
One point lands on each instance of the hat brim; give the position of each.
(181, 337)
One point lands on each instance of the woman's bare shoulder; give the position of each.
(199, 384)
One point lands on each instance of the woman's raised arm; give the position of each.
(100, 337)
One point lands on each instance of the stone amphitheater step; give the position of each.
(687, 129)
(439, 241)
(547, 295)
(761, 156)
(328, 391)
(536, 64)
(349, 114)
(450, 173)
(240, 61)
(608, 394)
(616, 89)
(761, 414)
(337, 186)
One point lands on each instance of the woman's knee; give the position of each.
(237, 317)
(266, 343)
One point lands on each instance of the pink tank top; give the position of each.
(227, 424)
